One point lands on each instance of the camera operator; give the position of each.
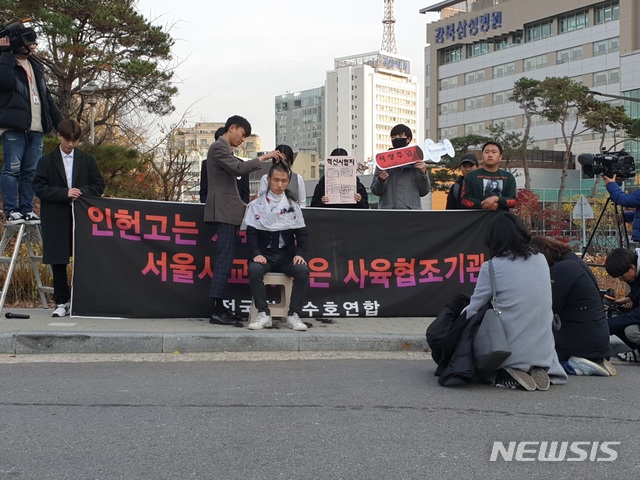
(28, 113)
(626, 200)
(625, 265)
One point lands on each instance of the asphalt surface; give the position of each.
(309, 415)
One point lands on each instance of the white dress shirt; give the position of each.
(68, 166)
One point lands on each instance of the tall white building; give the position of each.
(366, 96)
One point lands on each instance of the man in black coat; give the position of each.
(27, 113)
(62, 177)
(468, 162)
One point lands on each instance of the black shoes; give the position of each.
(226, 318)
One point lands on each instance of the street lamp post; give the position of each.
(89, 91)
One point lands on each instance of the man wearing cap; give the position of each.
(28, 113)
(468, 162)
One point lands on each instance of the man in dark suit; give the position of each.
(63, 176)
(243, 182)
(224, 207)
(277, 240)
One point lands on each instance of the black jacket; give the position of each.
(454, 197)
(295, 240)
(319, 192)
(15, 101)
(584, 330)
(50, 185)
(450, 337)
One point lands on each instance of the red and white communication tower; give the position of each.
(389, 35)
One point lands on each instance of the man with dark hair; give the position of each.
(61, 178)
(225, 209)
(243, 182)
(489, 187)
(401, 188)
(468, 162)
(277, 239)
(625, 265)
(27, 114)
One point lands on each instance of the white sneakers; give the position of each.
(294, 322)
(62, 310)
(263, 320)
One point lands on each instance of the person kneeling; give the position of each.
(582, 338)
(277, 239)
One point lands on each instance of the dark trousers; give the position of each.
(278, 262)
(618, 331)
(225, 249)
(61, 291)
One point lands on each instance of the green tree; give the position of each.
(565, 101)
(106, 41)
(602, 119)
(525, 92)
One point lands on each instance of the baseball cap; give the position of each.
(469, 158)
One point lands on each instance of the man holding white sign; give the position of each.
(340, 187)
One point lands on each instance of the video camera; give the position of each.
(20, 34)
(620, 164)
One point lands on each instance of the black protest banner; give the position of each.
(146, 259)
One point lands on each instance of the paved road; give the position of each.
(311, 416)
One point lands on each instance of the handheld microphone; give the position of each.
(16, 315)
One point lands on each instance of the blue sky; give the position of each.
(235, 57)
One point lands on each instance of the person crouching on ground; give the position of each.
(62, 177)
(277, 241)
(625, 265)
(523, 292)
(582, 337)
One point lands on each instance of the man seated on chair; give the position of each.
(277, 240)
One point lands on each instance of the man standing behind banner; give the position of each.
(489, 187)
(225, 209)
(61, 178)
(468, 163)
(401, 188)
(277, 239)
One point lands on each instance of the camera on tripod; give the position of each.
(20, 34)
(608, 164)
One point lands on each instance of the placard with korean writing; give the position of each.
(147, 259)
(340, 179)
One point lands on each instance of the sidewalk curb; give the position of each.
(44, 342)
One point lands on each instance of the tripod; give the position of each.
(623, 237)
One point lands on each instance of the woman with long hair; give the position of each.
(523, 291)
(582, 333)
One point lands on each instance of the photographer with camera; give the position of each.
(632, 200)
(625, 265)
(27, 114)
